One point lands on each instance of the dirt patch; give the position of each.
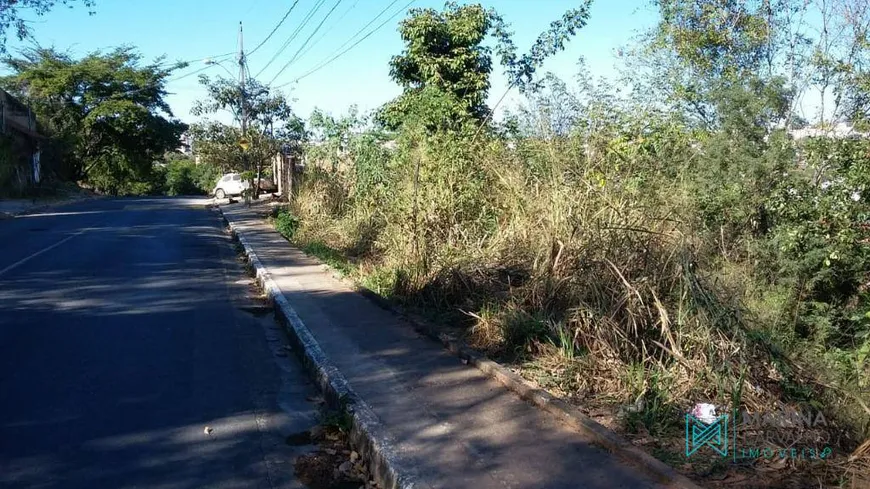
(334, 465)
(257, 310)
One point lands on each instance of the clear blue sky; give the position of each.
(197, 29)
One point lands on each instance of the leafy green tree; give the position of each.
(701, 49)
(217, 144)
(842, 60)
(521, 69)
(106, 113)
(444, 69)
(443, 65)
(271, 126)
(182, 176)
(10, 15)
(719, 38)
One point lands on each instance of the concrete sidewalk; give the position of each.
(455, 426)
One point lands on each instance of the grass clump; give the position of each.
(286, 224)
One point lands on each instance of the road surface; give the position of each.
(125, 336)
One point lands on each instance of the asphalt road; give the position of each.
(124, 333)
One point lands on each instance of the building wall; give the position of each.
(20, 157)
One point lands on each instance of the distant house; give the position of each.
(20, 164)
(837, 131)
(186, 144)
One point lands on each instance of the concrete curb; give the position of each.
(367, 433)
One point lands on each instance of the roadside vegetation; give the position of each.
(635, 247)
(180, 175)
(104, 115)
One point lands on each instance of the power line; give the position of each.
(310, 36)
(363, 28)
(164, 82)
(189, 74)
(330, 29)
(217, 56)
(325, 63)
(295, 33)
(280, 23)
(253, 4)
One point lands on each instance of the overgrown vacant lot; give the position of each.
(634, 288)
(636, 251)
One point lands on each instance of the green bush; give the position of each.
(286, 224)
(820, 238)
(180, 178)
(644, 238)
(205, 177)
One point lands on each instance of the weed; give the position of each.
(330, 256)
(340, 418)
(381, 281)
(286, 224)
(564, 341)
(632, 257)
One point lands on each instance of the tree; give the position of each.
(272, 126)
(10, 11)
(443, 66)
(842, 59)
(520, 70)
(444, 69)
(701, 48)
(106, 114)
(718, 38)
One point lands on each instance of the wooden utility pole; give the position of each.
(242, 75)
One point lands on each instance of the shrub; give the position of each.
(286, 224)
(180, 179)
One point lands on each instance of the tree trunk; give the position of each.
(256, 187)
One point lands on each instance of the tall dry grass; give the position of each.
(581, 256)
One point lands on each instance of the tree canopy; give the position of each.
(702, 50)
(445, 67)
(444, 53)
(106, 113)
(272, 125)
(11, 10)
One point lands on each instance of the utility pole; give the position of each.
(242, 74)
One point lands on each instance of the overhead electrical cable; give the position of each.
(330, 29)
(310, 36)
(295, 33)
(280, 23)
(342, 53)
